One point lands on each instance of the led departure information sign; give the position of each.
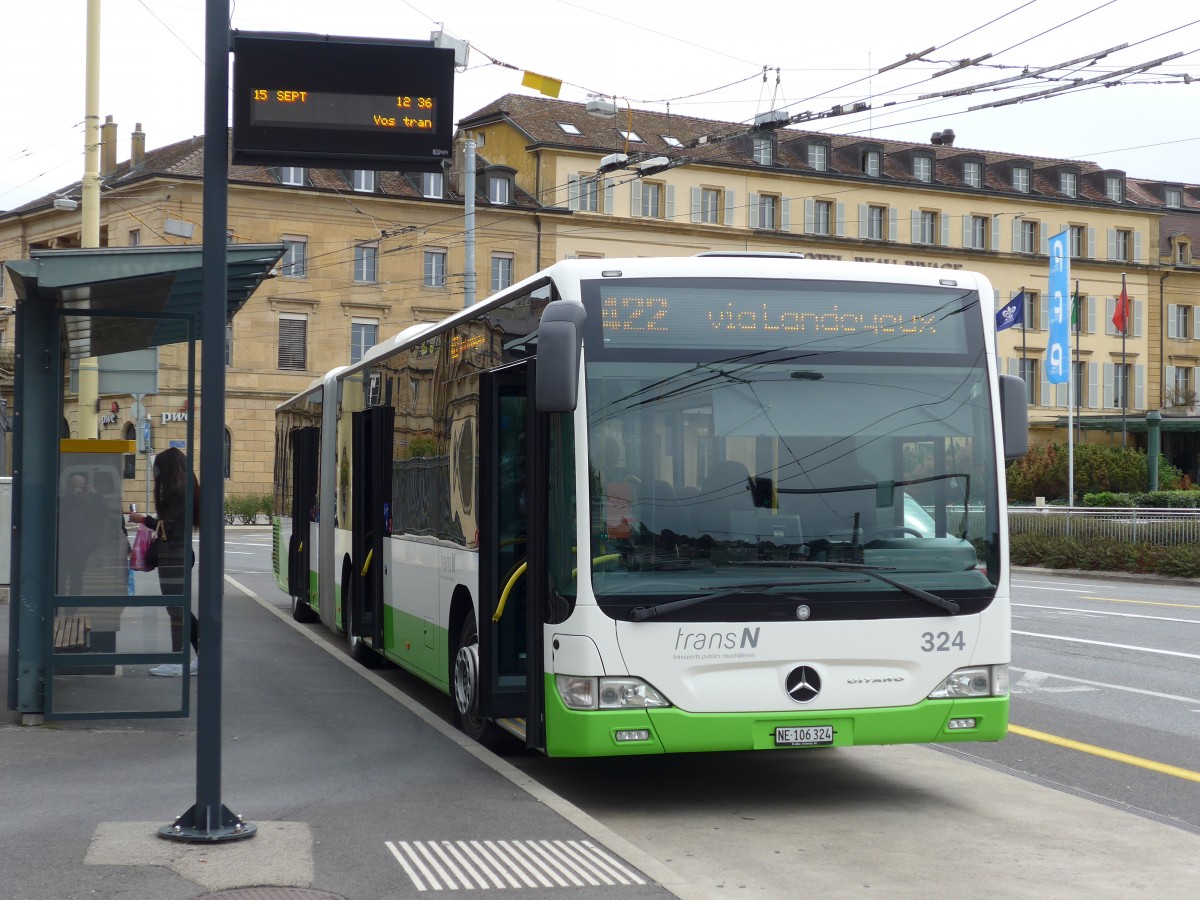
(675, 313)
(341, 102)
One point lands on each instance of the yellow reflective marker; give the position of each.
(1161, 768)
(1145, 602)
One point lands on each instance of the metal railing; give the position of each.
(1153, 526)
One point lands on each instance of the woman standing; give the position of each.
(170, 492)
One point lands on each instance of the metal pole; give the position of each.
(89, 237)
(469, 223)
(1123, 302)
(209, 820)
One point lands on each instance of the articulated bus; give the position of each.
(634, 506)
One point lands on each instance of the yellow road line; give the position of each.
(1145, 602)
(1161, 768)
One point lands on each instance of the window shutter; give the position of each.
(893, 224)
(785, 214)
(1172, 329)
(1110, 307)
(1045, 238)
(996, 233)
(1013, 367)
(752, 211)
(1093, 397)
(945, 229)
(1091, 238)
(1139, 387)
(1112, 243)
(1195, 323)
(610, 192)
(1045, 392)
(1016, 235)
(1110, 390)
(966, 231)
(1169, 379)
(1137, 246)
(293, 333)
(635, 198)
(1044, 317)
(840, 229)
(862, 221)
(1061, 397)
(810, 216)
(729, 206)
(670, 210)
(915, 218)
(1137, 317)
(1091, 315)
(572, 192)
(695, 204)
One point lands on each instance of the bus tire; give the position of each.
(465, 685)
(301, 610)
(359, 651)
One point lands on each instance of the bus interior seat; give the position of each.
(659, 511)
(726, 490)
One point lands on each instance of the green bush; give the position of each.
(245, 509)
(1042, 472)
(1105, 554)
(1146, 499)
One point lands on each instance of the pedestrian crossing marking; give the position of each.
(498, 864)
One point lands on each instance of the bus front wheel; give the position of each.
(466, 684)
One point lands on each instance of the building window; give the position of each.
(1033, 311)
(1027, 237)
(294, 263)
(135, 237)
(1121, 373)
(876, 216)
(1183, 321)
(293, 342)
(710, 205)
(871, 163)
(1078, 239)
(568, 128)
(631, 136)
(1183, 394)
(822, 214)
(1020, 179)
(765, 214)
(651, 199)
(366, 260)
(1068, 183)
(979, 232)
(1114, 188)
(1174, 198)
(927, 228)
(364, 181)
(1029, 374)
(1183, 252)
(923, 168)
(764, 151)
(973, 174)
(818, 157)
(1079, 314)
(583, 193)
(499, 189)
(502, 271)
(291, 175)
(433, 185)
(672, 141)
(364, 334)
(1121, 245)
(228, 344)
(227, 459)
(435, 268)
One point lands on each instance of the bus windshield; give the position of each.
(737, 428)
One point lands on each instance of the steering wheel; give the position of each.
(891, 529)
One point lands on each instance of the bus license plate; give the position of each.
(807, 736)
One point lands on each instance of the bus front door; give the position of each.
(512, 551)
(371, 484)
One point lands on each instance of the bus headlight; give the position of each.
(973, 681)
(605, 692)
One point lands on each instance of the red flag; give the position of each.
(1121, 316)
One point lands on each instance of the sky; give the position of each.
(699, 58)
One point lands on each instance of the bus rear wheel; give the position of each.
(466, 685)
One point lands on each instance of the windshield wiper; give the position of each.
(642, 613)
(932, 599)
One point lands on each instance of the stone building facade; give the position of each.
(373, 252)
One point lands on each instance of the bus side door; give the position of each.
(305, 453)
(372, 490)
(512, 525)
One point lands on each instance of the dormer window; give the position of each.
(432, 185)
(1114, 188)
(568, 128)
(499, 189)
(671, 141)
(764, 151)
(291, 175)
(872, 163)
(364, 181)
(923, 168)
(1068, 183)
(1020, 179)
(973, 173)
(818, 157)
(1174, 198)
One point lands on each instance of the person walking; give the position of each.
(170, 492)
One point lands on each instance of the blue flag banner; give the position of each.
(1012, 314)
(1058, 351)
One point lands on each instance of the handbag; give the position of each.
(144, 555)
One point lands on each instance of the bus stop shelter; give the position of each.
(69, 598)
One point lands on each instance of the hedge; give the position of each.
(1105, 555)
(245, 509)
(1042, 472)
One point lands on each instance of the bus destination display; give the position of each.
(301, 108)
(678, 316)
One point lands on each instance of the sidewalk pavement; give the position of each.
(347, 782)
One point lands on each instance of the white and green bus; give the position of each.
(633, 506)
